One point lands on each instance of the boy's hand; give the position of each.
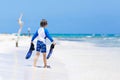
(54, 43)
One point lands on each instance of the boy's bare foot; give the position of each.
(46, 66)
(34, 65)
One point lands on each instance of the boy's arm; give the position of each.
(34, 36)
(48, 35)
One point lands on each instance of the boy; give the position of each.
(41, 34)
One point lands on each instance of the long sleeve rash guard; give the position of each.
(42, 34)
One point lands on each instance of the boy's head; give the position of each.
(43, 23)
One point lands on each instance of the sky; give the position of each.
(63, 16)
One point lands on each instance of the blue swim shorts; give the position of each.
(41, 47)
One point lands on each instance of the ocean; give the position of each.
(101, 40)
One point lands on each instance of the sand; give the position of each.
(70, 61)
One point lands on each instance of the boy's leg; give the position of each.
(36, 58)
(45, 60)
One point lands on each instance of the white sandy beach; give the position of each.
(69, 61)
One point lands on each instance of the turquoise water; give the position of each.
(84, 35)
(102, 40)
